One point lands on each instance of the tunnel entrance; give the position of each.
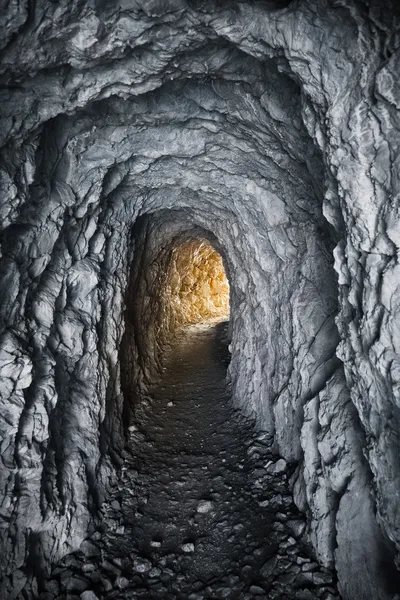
(178, 280)
(196, 287)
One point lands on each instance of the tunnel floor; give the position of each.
(202, 508)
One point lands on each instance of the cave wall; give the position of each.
(275, 123)
(196, 285)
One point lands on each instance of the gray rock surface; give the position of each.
(269, 128)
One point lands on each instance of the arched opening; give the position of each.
(178, 280)
(196, 287)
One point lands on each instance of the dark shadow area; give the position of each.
(221, 342)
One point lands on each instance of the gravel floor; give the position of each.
(202, 508)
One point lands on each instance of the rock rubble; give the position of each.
(195, 514)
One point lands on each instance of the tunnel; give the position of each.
(199, 332)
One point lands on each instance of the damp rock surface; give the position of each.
(196, 513)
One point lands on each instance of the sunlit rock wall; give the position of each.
(276, 131)
(197, 289)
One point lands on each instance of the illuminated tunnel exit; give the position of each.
(197, 288)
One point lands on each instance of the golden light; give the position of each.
(197, 286)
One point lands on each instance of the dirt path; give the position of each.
(203, 509)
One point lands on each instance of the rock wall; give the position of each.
(275, 131)
(196, 285)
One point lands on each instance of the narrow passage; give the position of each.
(203, 508)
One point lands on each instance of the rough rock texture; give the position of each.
(271, 128)
(196, 286)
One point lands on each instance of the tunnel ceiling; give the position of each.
(274, 128)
